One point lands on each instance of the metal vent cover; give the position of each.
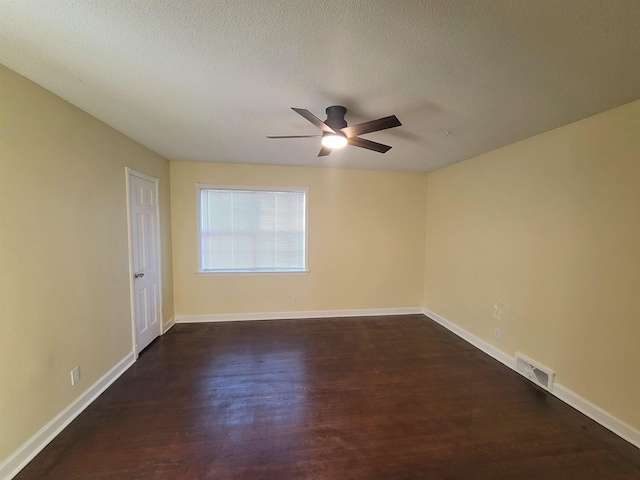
(538, 374)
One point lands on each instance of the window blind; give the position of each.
(246, 230)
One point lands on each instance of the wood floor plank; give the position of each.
(394, 397)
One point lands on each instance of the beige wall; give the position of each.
(542, 240)
(64, 275)
(366, 241)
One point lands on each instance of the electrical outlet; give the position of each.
(497, 333)
(75, 375)
(295, 299)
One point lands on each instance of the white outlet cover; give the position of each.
(75, 375)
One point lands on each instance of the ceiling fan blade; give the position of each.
(368, 144)
(372, 126)
(294, 136)
(313, 119)
(324, 151)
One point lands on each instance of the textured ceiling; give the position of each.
(209, 80)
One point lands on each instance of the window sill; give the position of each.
(250, 274)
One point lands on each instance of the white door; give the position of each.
(145, 260)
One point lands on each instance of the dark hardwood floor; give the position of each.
(394, 397)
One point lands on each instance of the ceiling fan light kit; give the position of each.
(337, 134)
(334, 140)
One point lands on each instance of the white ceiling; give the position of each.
(209, 80)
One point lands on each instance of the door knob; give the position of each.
(138, 275)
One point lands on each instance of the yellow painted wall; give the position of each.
(542, 240)
(64, 274)
(366, 241)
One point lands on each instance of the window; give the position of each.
(253, 229)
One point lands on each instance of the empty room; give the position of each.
(319, 240)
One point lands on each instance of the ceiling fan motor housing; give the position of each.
(335, 117)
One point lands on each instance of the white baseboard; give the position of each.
(166, 326)
(234, 317)
(487, 348)
(597, 414)
(571, 398)
(16, 462)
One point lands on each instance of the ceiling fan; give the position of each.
(336, 133)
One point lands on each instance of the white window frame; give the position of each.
(203, 186)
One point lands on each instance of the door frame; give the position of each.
(129, 172)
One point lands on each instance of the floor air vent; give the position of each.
(535, 372)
